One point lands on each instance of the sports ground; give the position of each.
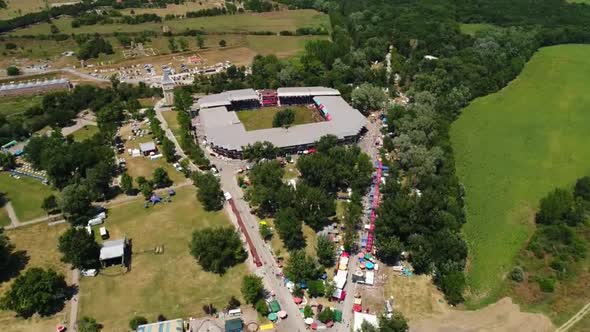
(514, 146)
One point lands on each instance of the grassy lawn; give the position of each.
(262, 118)
(14, 105)
(171, 283)
(4, 219)
(473, 28)
(85, 133)
(26, 195)
(514, 146)
(171, 118)
(281, 46)
(174, 9)
(271, 21)
(40, 244)
(22, 7)
(279, 249)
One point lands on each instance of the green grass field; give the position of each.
(514, 146)
(171, 283)
(4, 219)
(262, 118)
(21, 7)
(473, 28)
(587, 2)
(15, 105)
(26, 195)
(271, 21)
(85, 133)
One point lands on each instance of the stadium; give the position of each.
(219, 116)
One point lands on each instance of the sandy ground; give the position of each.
(499, 317)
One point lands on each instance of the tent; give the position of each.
(338, 315)
(274, 306)
(155, 199)
(272, 316)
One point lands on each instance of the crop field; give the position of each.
(171, 283)
(173, 9)
(21, 7)
(262, 118)
(514, 146)
(248, 22)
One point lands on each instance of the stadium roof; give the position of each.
(224, 129)
(17, 86)
(225, 98)
(307, 91)
(175, 325)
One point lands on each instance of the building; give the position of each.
(113, 252)
(147, 148)
(227, 135)
(36, 87)
(168, 89)
(175, 325)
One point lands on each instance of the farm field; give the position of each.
(21, 7)
(262, 118)
(39, 242)
(171, 283)
(247, 22)
(85, 133)
(14, 105)
(473, 28)
(511, 148)
(26, 195)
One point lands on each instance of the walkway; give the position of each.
(73, 318)
(14, 222)
(575, 318)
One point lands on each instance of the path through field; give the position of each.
(576, 318)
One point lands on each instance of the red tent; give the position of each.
(357, 308)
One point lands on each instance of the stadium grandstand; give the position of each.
(227, 136)
(34, 87)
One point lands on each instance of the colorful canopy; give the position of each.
(272, 316)
(282, 314)
(308, 321)
(274, 306)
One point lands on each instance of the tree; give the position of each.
(172, 45)
(326, 251)
(222, 43)
(329, 289)
(13, 71)
(79, 248)
(259, 151)
(136, 321)
(233, 303)
(368, 97)
(397, 323)
(161, 179)
(54, 29)
(390, 248)
(200, 41)
(301, 267)
(183, 43)
(283, 118)
(265, 232)
(6, 250)
(556, 207)
(290, 229)
(307, 311)
(50, 204)
(88, 324)
(517, 274)
(127, 183)
(36, 291)
(76, 203)
(183, 100)
(147, 189)
(453, 284)
(209, 191)
(168, 150)
(582, 188)
(252, 288)
(314, 206)
(262, 307)
(7, 161)
(98, 179)
(315, 288)
(326, 315)
(217, 249)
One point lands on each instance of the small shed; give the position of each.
(113, 251)
(147, 148)
(234, 325)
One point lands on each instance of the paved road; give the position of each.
(73, 319)
(80, 123)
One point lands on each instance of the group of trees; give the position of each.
(559, 241)
(217, 249)
(92, 47)
(182, 104)
(209, 191)
(283, 118)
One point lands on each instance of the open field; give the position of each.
(85, 133)
(172, 121)
(40, 244)
(514, 146)
(473, 28)
(15, 105)
(171, 283)
(247, 22)
(21, 7)
(26, 195)
(4, 219)
(262, 118)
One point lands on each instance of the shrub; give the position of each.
(547, 284)
(262, 307)
(136, 321)
(517, 274)
(12, 71)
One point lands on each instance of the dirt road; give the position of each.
(501, 316)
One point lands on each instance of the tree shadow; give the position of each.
(3, 199)
(18, 261)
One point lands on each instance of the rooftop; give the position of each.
(147, 146)
(24, 85)
(112, 249)
(175, 325)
